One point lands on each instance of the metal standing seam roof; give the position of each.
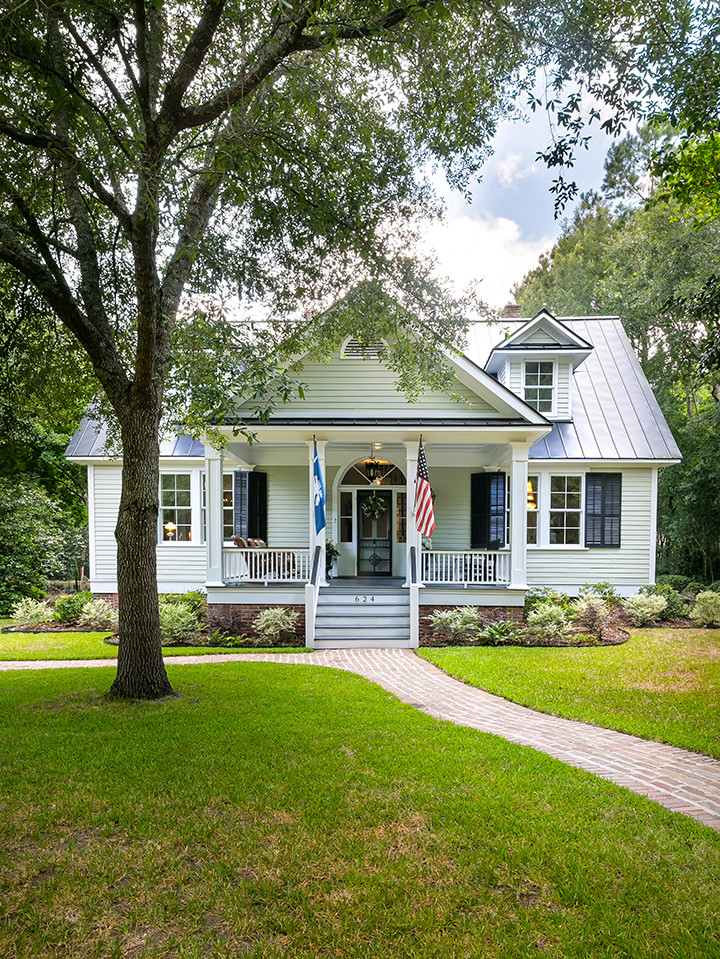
(615, 415)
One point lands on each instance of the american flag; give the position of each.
(424, 515)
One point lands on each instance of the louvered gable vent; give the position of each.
(353, 349)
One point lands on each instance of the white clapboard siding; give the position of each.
(629, 564)
(539, 337)
(182, 562)
(107, 481)
(288, 506)
(516, 380)
(346, 386)
(562, 394)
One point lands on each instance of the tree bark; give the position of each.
(141, 671)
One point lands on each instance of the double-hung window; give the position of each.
(539, 385)
(175, 508)
(565, 510)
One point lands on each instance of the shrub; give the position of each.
(676, 604)
(715, 587)
(644, 609)
(31, 612)
(706, 611)
(497, 633)
(68, 608)
(457, 625)
(591, 613)
(545, 594)
(218, 638)
(605, 591)
(549, 620)
(178, 623)
(98, 614)
(195, 600)
(277, 625)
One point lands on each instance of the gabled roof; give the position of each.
(615, 415)
(542, 334)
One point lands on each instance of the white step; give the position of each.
(362, 643)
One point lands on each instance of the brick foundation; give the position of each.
(237, 619)
(488, 614)
(111, 598)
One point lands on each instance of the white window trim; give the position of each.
(195, 508)
(203, 506)
(553, 410)
(543, 510)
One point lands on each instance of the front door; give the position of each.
(374, 512)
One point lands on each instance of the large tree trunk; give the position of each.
(141, 671)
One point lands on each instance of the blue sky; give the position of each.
(510, 221)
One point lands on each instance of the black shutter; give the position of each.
(603, 509)
(487, 510)
(250, 489)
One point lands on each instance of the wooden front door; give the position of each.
(374, 532)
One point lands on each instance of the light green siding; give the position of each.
(288, 506)
(452, 507)
(366, 387)
(105, 494)
(630, 564)
(562, 393)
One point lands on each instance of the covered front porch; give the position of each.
(477, 554)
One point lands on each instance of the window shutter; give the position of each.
(603, 509)
(250, 519)
(487, 510)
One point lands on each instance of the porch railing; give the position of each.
(468, 568)
(266, 565)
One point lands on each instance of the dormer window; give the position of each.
(540, 385)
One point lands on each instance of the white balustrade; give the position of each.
(266, 565)
(468, 567)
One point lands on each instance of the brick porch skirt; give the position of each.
(488, 614)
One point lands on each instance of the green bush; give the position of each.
(276, 625)
(677, 605)
(715, 587)
(643, 609)
(706, 611)
(548, 620)
(179, 623)
(218, 638)
(497, 633)
(68, 608)
(31, 612)
(545, 594)
(195, 600)
(605, 591)
(675, 581)
(591, 613)
(458, 625)
(98, 614)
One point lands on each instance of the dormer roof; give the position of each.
(539, 337)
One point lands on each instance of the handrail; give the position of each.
(414, 599)
(466, 567)
(413, 565)
(315, 565)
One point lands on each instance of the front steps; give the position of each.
(363, 615)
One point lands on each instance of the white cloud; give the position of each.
(491, 250)
(509, 169)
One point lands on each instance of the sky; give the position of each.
(498, 237)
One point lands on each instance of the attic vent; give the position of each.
(353, 349)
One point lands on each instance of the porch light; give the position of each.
(531, 504)
(374, 470)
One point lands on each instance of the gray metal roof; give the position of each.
(615, 415)
(90, 440)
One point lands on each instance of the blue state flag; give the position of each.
(318, 493)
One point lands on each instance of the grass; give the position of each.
(279, 811)
(29, 646)
(663, 684)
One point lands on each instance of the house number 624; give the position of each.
(364, 599)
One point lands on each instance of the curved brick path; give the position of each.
(683, 781)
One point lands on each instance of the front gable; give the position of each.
(354, 384)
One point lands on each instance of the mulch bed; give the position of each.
(49, 628)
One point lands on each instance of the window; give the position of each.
(228, 502)
(175, 509)
(400, 517)
(532, 510)
(565, 510)
(603, 509)
(346, 517)
(539, 386)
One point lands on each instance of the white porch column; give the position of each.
(412, 536)
(213, 506)
(317, 539)
(518, 516)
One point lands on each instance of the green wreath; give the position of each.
(374, 506)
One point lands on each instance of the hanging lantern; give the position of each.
(373, 469)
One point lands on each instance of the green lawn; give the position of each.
(294, 811)
(17, 646)
(662, 684)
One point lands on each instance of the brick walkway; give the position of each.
(683, 781)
